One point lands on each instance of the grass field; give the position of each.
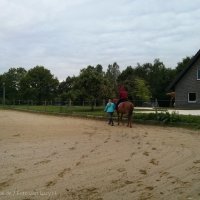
(158, 116)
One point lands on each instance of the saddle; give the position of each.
(121, 104)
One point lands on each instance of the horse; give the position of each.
(125, 107)
(172, 98)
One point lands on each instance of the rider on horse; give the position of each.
(123, 95)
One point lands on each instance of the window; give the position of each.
(192, 97)
(198, 73)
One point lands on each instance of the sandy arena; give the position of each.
(64, 158)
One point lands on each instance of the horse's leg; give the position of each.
(118, 117)
(121, 117)
(130, 121)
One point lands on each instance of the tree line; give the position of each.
(144, 83)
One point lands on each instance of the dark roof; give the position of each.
(182, 73)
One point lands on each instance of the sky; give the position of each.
(65, 36)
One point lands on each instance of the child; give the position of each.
(123, 95)
(110, 108)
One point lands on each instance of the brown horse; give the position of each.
(172, 98)
(125, 108)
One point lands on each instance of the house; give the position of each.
(187, 85)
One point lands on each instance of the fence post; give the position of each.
(45, 106)
(4, 94)
(95, 103)
(104, 102)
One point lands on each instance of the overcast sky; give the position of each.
(67, 35)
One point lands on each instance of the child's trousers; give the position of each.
(110, 115)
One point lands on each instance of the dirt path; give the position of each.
(64, 158)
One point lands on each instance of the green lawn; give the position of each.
(163, 117)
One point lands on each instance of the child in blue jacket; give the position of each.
(110, 108)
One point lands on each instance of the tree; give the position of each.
(66, 89)
(154, 75)
(90, 82)
(1, 88)
(138, 88)
(39, 85)
(128, 73)
(12, 80)
(183, 64)
(142, 91)
(99, 69)
(143, 71)
(112, 75)
(156, 78)
(107, 91)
